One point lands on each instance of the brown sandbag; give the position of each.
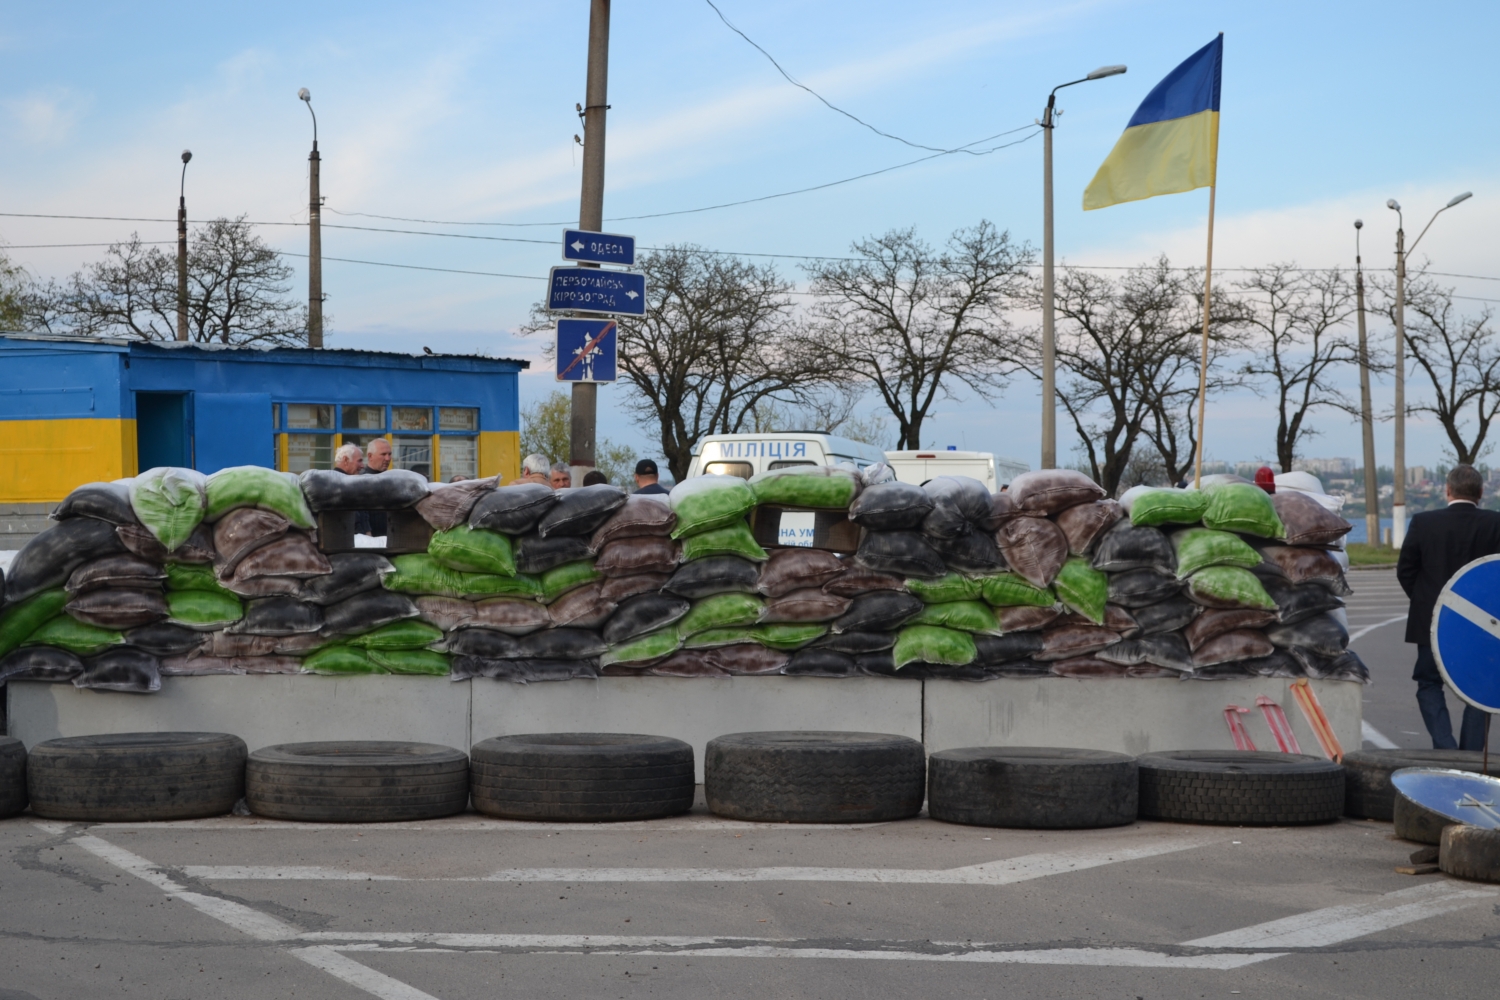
(635, 555)
(1083, 524)
(642, 516)
(811, 604)
(118, 608)
(242, 531)
(618, 588)
(1047, 491)
(687, 663)
(797, 569)
(1034, 547)
(1308, 522)
(582, 608)
(1303, 565)
(293, 555)
(116, 571)
(1002, 508)
(1214, 622)
(449, 505)
(447, 613)
(1089, 667)
(517, 616)
(856, 580)
(1069, 641)
(747, 659)
(199, 665)
(264, 586)
(199, 548)
(1026, 618)
(1149, 671)
(1118, 619)
(237, 644)
(1231, 647)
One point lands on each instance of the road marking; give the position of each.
(1370, 628)
(1116, 957)
(375, 983)
(1337, 924)
(1372, 735)
(310, 873)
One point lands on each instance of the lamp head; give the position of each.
(1359, 223)
(305, 94)
(187, 154)
(1104, 71)
(1393, 204)
(1463, 197)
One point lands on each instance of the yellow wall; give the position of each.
(500, 454)
(41, 461)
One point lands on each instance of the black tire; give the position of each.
(1368, 792)
(582, 777)
(814, 777)
(1470, 852)
(1240, 787)
(1417, 823)
(1042, 788)
(357, 781)
(12, 775)
(136, 777)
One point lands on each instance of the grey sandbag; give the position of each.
(883, 664)
(394, 489)
(1085, 523)
(562, 644)
(1295, 604)
(165, 639)
(522, 671)
(1277, 664)
(198, 549)
(748, 659)
(242, 531)
(1240, 644)
(905, 553)
(264, 586)
(293, 555)
(686, 663)
(812, 604)
(365, 611)
(632, 556)
(1321, 634)
(1067, 641)
(104, 501)
(51, 557)
(1026, 618)
(856, 580)
(1166, 616)
(1307, 521)
(1034, 547)
(959, 503)
(1236, 670)
(1214, 622)
(1167, 650)
(970, 552)
(1029, 669)
(714, 575)
(797, 569)
(353, 573)
(643, 515)
(1118, 619)
(279, 616)
(535, 555)
(1129, 546)
(992, 649)
(581, 510)
(121, 669)
(514, 510)
(617, 588)
(879, 611)
(1090, 667)
(893, 506)
(1138, 588)
(1047, 491)
(582, 608)
(855, 643)
(449, 504)
(646, 613)
(125, 570)
(1347, 666)
(118, 607)
(814, 661)
(39, 663)
(484, 643)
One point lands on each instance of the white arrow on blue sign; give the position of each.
(592, 289)
(586, 350)
(1466, 633)
(598, 248)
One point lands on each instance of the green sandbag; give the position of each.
(735, 540)
(410, 661)
(949, 587)
(473, 550)
(1199, 548)
(409, 634)
(1228, 587)
(169, 502)
(773, 636)
(1083, 588)
(20, 620)
(419, 573)
(193, 576)
(1167, 506)
(1007, 590)
(931, 644)
(569, 576)
(722, 611)
(807, 486)
(966, 616)
(707, 502)
(644, 649)
(205, 610)
(1242, 507)
(254, 486)
(79, 638)
(340, 659)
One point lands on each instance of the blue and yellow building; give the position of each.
(76, 410)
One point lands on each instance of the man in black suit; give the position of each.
(1438, 544)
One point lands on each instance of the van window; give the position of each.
(742, 469)
(787, 465)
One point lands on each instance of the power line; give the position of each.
(46, 246)
(418, 267)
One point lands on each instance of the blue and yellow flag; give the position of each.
(1172, 141)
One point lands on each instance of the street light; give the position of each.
(1398, 501)
(1049, 342)
(182, 296)
(1366, 415)
(314, 236)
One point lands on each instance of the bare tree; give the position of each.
(1298, 342)
(912, 322)
(828, 410)
(14, 282)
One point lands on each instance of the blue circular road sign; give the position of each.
(1466, 633)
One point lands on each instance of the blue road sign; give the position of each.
(598, 248)
(586, 350)
(1466, 633)
(592, 289)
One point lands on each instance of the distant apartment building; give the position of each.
(1416, 474)
(1326, 466)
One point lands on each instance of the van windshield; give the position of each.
(742, 469)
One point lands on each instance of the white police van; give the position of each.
(745, 455)
(919, 466)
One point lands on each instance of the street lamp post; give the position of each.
(1049, 342)
(314, 236)
(182, 295)
(1366, 414)
(1398, 501)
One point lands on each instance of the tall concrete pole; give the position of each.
(182, 290)
(314, 236)
(591, 217)
(1398, 501)
(1049, 335)
(1366, 413)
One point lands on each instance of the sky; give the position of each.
(464, 113)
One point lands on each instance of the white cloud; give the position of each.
(42, 119)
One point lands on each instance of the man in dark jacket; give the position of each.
(1438, 544)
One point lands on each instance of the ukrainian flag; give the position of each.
(1172, 142)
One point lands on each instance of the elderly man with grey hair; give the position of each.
(349, 459)
(534, 469)
(562, 477)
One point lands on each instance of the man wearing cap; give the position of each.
(645, 477)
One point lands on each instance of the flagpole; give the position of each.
(1208, 282)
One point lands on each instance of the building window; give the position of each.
(363, 418)
(414, 453)
(451, 418)
(309, 451)
(411, 418)
(309, 416)
(459, 457)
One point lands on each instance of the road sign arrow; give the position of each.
(631, 295)
(576, 244)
